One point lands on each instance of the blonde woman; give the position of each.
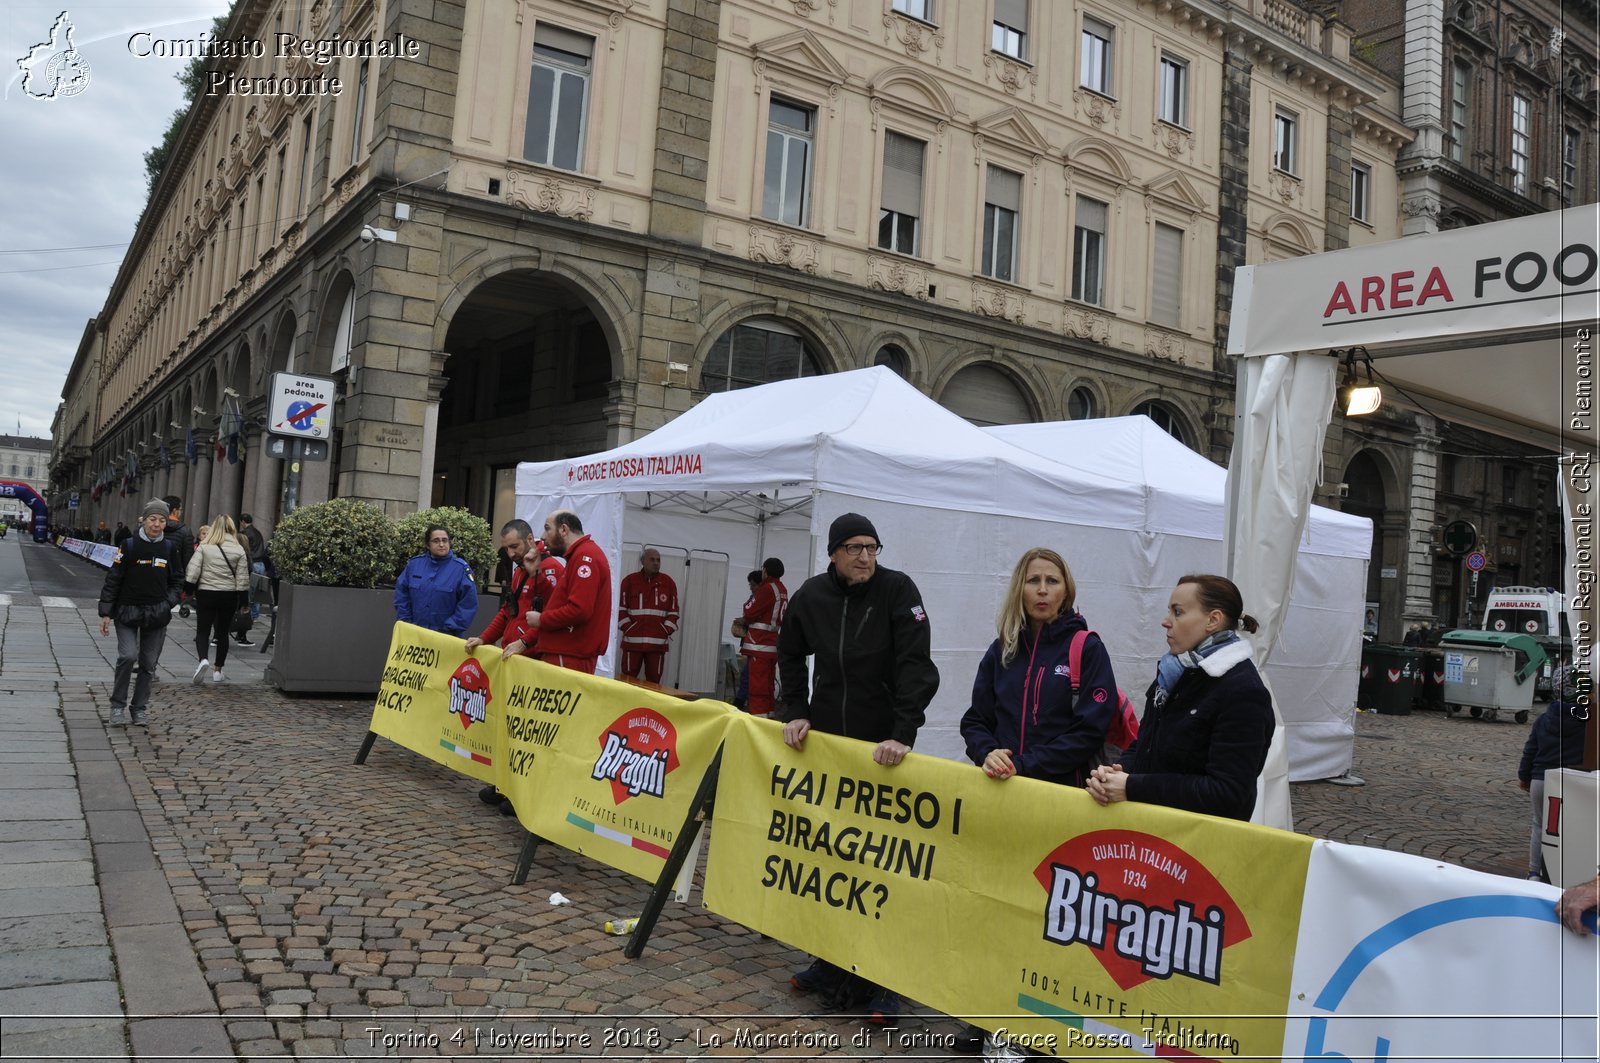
(1030, 714)
(220, 568)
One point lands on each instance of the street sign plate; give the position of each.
(300, 406)
(1460, 536)
(311, 449)
(1476, 560)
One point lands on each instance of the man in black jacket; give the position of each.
(144, 583)
(872, 679)
(182, 541)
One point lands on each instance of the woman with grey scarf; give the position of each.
(1207, 719)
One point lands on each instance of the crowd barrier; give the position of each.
(101, 554)
(1121, 932)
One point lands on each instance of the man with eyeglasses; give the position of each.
(872, 679)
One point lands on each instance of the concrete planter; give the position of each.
(333, 640)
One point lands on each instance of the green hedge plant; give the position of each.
(470, 538)
(338, 543)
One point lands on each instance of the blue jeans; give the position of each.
(143, 644)
(260, 568)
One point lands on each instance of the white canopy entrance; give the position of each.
(1490, 326)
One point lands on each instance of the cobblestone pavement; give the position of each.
(342, 910)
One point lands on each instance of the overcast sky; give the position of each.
(72, 177)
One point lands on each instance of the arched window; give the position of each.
(757, 352)
(986, 395)
(1166, 419)
(1080, 404)
(893, 358)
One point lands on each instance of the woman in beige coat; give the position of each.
(220, 568)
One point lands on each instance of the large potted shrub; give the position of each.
(471, 539)
(335, 616)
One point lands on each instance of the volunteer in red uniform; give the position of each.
(647, 617)
(575, 625)
(763, 619)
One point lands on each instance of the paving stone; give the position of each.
(41, 1009)
(184, 1037)
(32, 852)
(49, 875)
(96, 1039)
(137, 898)
(67, 900)
(43, 830)
(61, 930)
(159, 973)
(53, 966)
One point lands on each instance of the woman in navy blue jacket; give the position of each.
(436, 589)
(1208, 718)
(1025, 718)
(1556, 741)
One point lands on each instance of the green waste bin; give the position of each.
(1395, 678)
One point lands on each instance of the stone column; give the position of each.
(268, 495)
(1421, 515)
(178, 475)
(683, 120)
(226, 481)
(199, 496)
(254, 437)
(1233, 215)
(1422, 108)
(1336, 200)
(430, 429)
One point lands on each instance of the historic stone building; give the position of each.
(542, 228)
(1503, 100)
(23, 459)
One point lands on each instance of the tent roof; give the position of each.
(1443, 316)
(1185, 491)
(866, 433)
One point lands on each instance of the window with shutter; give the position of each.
(900, 216)
(1002, 206)
(1166, 294)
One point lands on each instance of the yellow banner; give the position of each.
(436, 700)
(1121, 932)
(603, 768)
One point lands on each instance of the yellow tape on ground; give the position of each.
(1125, 931)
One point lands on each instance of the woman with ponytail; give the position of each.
(1207, 719)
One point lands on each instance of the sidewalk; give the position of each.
(227, 882)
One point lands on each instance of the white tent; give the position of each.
(1490, 326)
(1313, 674)
(763, 471)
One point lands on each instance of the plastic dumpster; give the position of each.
(1395, 678)
(1490, 672)
(1432, 696)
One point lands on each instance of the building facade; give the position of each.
(1503, 98)
(530, 230)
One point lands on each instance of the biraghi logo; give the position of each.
(637, 752)
(469, 693)
(1143, 906)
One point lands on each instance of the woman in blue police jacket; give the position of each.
(436, 590)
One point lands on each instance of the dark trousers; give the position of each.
(213, 609)
(144, 645)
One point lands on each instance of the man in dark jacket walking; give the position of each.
(143, 584)
(872, 679)
(182, 541)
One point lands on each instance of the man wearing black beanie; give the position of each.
(873, 678)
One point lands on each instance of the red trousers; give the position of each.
(632, 660)
(567, 660)
(763, 673)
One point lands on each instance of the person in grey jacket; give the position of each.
(142, 586)
(220, 572)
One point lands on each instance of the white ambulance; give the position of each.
(1536, 611)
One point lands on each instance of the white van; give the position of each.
(1536, 611)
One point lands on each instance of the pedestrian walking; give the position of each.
(220, 572)
(142, 586)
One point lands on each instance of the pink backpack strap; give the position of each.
(1075, 655)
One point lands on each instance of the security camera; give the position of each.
(370, 233)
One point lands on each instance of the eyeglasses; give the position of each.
(854, 549)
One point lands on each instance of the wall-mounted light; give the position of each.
(232, 394)
(1359, 399)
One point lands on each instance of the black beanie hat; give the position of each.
(848, 526)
